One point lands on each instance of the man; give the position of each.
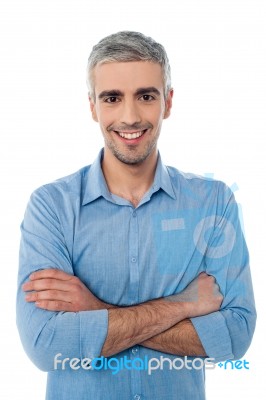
(130, 259)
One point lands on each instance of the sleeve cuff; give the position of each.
(214, 336)
(93, 332)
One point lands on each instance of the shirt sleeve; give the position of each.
(227, 334)
(44, 334)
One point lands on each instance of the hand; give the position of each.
(202, 296)
(55, 290)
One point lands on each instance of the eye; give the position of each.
(147, 97)
(111, 99)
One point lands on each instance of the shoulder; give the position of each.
(200, 189)
(66, 189)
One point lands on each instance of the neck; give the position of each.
(129, 181)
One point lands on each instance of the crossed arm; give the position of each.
(161, 324)
(173, 324)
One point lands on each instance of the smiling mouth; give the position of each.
(131, 135)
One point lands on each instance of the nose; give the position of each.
(130, 113)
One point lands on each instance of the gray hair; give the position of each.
(128, 46)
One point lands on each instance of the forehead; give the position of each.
(127, 76)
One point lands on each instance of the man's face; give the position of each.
(130, 107)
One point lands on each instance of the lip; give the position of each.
(131, 141)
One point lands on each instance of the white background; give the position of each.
(217, 50)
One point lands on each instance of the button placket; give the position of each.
(134, 351)
(133, 263)
(133, 256)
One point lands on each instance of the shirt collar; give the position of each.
(95, 185)
(162, 179)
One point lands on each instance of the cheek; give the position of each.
(106, 118)
(156, 117)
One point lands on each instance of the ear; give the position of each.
(168, 103)
(93, 109)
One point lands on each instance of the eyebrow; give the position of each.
(140, 91)
(110, 93)
(145, 90)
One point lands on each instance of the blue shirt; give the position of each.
(184, 224)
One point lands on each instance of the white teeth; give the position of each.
(134, 135)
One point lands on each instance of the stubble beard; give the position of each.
(134, 158)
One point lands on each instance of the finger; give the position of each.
(54, 305)
(50, 273)
(47, 284)
(48, 295)
(216, 290)
(202, 274)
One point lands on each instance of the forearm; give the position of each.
(131, 325)
(55, 290)
(181, 339)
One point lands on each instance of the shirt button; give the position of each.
(134, 351)
(133, 259)
(134, 214)
(137, 397)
